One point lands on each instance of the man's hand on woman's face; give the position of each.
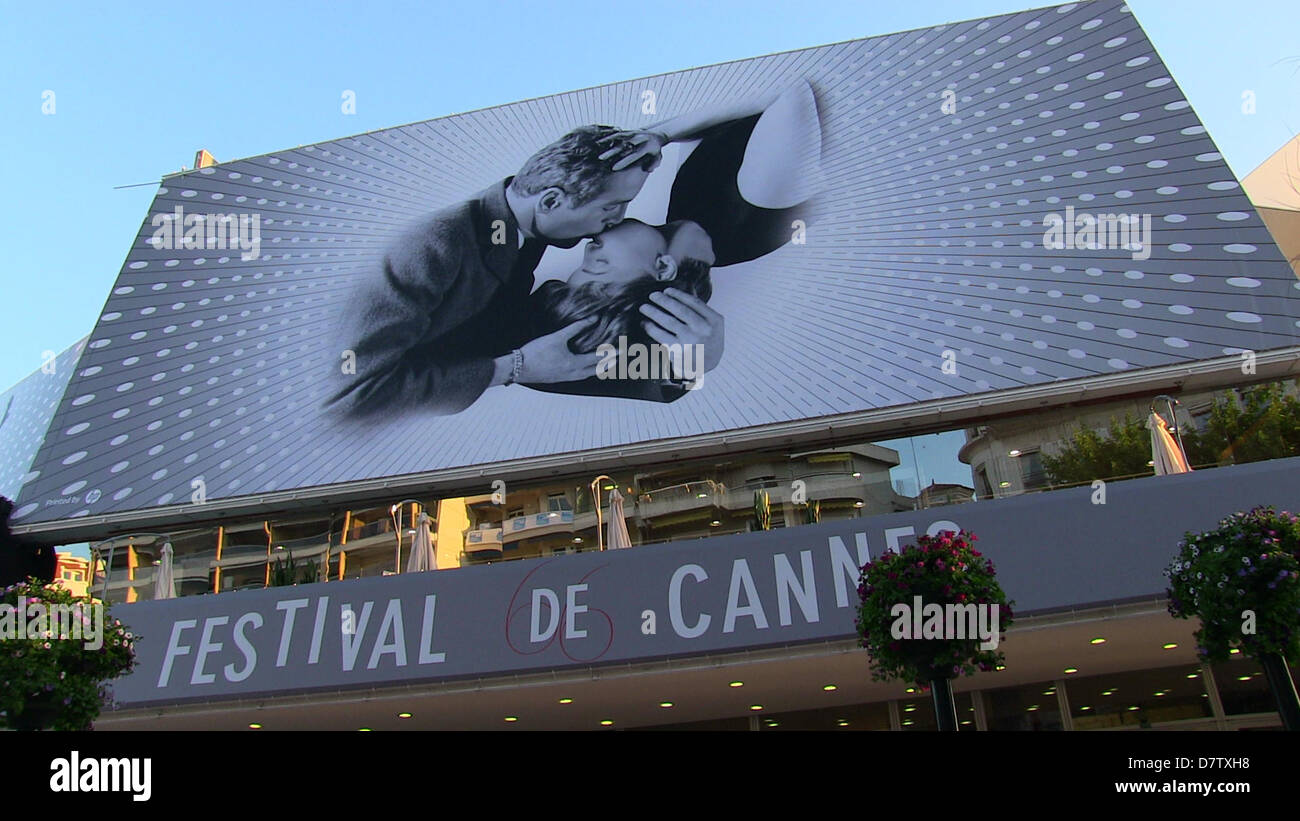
(547, 359)
(679, 318)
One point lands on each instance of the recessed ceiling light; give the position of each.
(512, 719)
(566, 701)
(858, 504)
(606, 722)
(701, 496)
(1193, 675)
(1004, 484)
(1169, 646)
(857, 474)
(1085, 707)
(910, 690)
(772, 723)
(665, 704)
(1071, 670)
(714, 523)
(909, 722)
(967, 721)
(843, 722)
(756, 707)
(1013, 452)
(1098, 640)
(1109, 692)
(577, 540)
(1049, 692)
(254, 726)
(1159, 693)
(1031, 708)
(1234, 651)
(1134, 707)
(736, 684)
(909, 708)
(1000, 667)
(364, 730)
(403, 715)
(830, 688)
(1243, 678)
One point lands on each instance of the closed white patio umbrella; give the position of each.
(422, 556)
(164, 580)
(1166, 456)
(618, 537)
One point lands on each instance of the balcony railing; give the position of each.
(483, 541)
(529, 525)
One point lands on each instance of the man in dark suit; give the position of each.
(446, 317)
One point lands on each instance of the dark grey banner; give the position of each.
(1071, 548)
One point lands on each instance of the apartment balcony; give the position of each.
(681, 498)
(545, 524)
(484, 543)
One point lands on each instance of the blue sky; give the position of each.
(136, 93)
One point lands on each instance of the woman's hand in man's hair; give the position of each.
(632, 147)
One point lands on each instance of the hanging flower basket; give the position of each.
(944, 575)
(1242, 580)
(50, 678)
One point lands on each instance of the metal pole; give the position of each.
(1173, 420)
(396, 511)
(1284, 692)
(595, 497)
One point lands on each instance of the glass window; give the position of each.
(852, 717)
(558, 502)
(1138, 698)
(1028, 707)
(1243, 687)
(917, 712)
(1032, 475)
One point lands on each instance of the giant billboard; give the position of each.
(938, 213)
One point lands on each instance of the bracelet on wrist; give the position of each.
(517, 365)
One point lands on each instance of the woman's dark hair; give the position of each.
(616, 308)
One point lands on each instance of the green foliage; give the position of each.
(54, 681)
(762, 511)
(1251, 562)
(1124, 451)
(284, 573)
(1265, 424)
(310, 573)
(944, 569)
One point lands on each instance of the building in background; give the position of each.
(72, 573)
